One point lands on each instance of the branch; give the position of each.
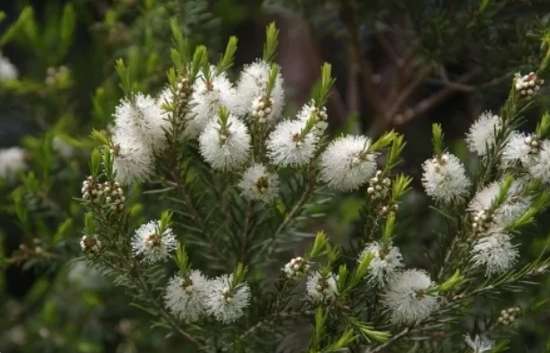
(429, 103)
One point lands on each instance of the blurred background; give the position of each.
(399, 65)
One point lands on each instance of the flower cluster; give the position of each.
(8, 71)
(321, 287)
(185, 295)
(483, 132)
(528, 85)
(243, 181)
(90, 244)
(445, 179)
(479, 344)
(152, 243)
(12, 161)
(108, 194)
(508, 316)
(409, 298)
(347, 163)
(296, 267)
(258, 183)
(385, 263)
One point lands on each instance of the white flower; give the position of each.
(151, 244)
(479, 344)
(206, 100)
(62, 147)
(407, 297)
(252, 89)
(185, 295)
(321, 288)
(445, 179)
(319, 115)
(517, 150)
(142, 118)
(296, 267)
(288, 147)
(225, 149)
(12, 161)
(258, 183)
(132, 159)
(482, 133)
(514, 205)
(225, 303)
(384, 264)
(540, 166)
(8, 71)
(85, 275)
(346, 163)
(495, 253)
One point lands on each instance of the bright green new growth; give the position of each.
(437, 139)
(322, 89)
(271, 42)
(226, 61)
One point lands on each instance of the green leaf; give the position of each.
(452, 282)
(226, 61)
(124, 75)
(200, 60)
(543, 127)
(323, 87)
(95, 162)
(271, 42)
(68, 23)
(182, 259)
(389, 228)
(25, 24)
(437, 138)
(63, 231)
(319, 245)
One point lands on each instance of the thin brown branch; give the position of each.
(429, 103)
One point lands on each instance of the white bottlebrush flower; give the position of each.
(185, 295)
(385, 262)
(321, 288)
(206, 100)
(540, 166)
(132, 159)
(288, 147)
(225, 149)
(142, 118)
(495, 253)
(225, 303)
(296, 267)
(8, 71)
(517, 150)
(346, 163)
(259, 184)
(514, 205)
(252, 87)
(12, 161)
(151, 244)
(445, 179)
(482, 133)
(408, 297)
(479, 344)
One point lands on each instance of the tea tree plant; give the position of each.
(197, 196)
